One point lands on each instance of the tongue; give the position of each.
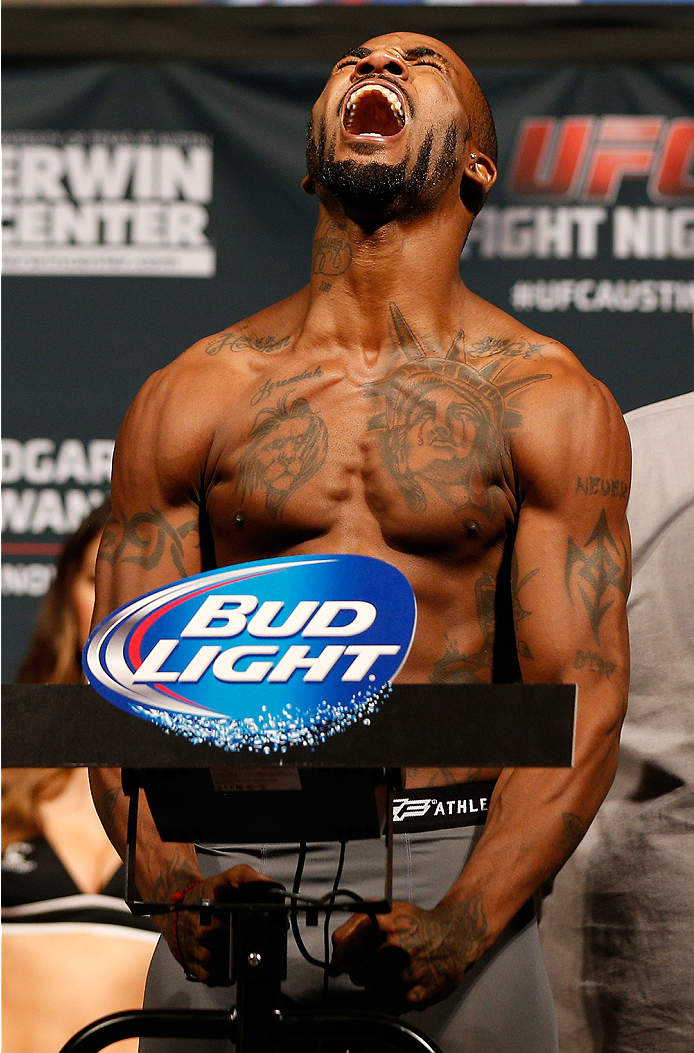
(374, 116)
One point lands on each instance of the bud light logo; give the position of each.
(261, 655)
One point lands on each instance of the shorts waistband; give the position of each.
(442, 807)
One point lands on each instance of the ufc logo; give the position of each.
(587, 158)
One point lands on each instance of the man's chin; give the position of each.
(371, 187)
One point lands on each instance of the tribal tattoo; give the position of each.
(234, 342)
(288, 445)
(144, 539)
(444, 423)
(595, 568)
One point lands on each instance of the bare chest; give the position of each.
(412, 457)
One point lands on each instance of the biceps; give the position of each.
(570, 581)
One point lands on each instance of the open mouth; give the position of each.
(373, 110)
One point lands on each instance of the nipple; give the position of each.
(240, 517)
(472, 529)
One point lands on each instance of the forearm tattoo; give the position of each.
(574, 831)
(106, 806)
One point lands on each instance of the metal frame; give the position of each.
(131, 788)
(258, 964)
(491, 725)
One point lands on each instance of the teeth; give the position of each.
(390, 96)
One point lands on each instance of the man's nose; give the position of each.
(381, 61)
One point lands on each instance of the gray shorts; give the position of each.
(504, 1004)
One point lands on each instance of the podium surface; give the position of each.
(425, 725)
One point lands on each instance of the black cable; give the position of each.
(326, 923)
(294, 918)
(328, 898)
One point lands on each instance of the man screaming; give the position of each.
(386, 410)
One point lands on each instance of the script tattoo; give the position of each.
(596, 486)
(268, 386)
(144, 538)
(288, 445)
(519, 611)
(511, 348)
(234, 342)
(597, 571)
(177, 873)
(332, 252)
(444, 423)
(453, 667)
(594, 662)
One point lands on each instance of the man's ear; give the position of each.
(481, 169)
(479, 176)
(307, 185)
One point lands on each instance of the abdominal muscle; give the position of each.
(54, 983)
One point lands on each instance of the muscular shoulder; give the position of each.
(170, 427)
(268, 332)
(574, 436)
(560, 422)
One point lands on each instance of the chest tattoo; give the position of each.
(288, 445)
(439, 425)
(443, 422)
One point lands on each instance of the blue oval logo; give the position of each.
(262, 655)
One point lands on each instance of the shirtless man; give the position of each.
(387, 410)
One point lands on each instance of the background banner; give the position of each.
(148, 205)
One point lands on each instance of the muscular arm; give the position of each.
(152, 539)
(144, 546)
(570, 579)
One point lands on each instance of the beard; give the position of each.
(376, 187)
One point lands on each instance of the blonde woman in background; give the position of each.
(71, 950)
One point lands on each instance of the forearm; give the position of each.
(163, 867)
(537, 817)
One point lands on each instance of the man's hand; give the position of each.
(413, 958)
(204, 950)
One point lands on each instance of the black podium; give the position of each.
(487, 725)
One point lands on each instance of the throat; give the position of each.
(361, 271)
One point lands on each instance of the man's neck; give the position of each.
(359, 276)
